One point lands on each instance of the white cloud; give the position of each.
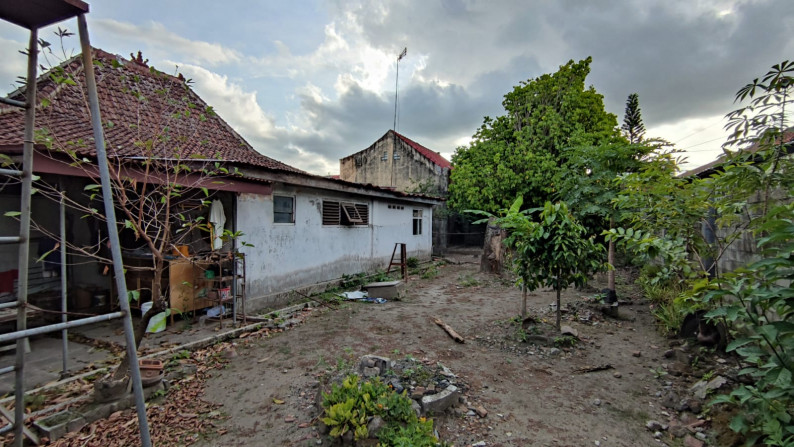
(233, 103)
(14, 64)
(701, 138)
(167, 43)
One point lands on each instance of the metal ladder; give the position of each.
(35, 15)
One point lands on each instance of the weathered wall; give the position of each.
(298, 255)
(743, 250)
(398, 166)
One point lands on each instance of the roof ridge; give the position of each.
(430, 154)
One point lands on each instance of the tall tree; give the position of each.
(521, 152)
(589, 185)
(633, 128)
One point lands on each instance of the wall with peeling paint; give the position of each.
(297, 255)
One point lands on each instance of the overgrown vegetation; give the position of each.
(350, 407)
(689, 230)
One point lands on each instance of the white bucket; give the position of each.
(157, 322)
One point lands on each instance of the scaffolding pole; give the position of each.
(113, 235)
(34, 15)
(24, 238)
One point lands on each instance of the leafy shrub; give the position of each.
(350, 407)
(412, 262)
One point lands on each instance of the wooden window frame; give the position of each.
(291, 213)
(417, 222)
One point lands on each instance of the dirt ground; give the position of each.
(534, 395)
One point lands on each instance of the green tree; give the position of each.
(552, 252)
(748, 195)
(633, 128)
(521, 152)
(756, 301)
(589, 186)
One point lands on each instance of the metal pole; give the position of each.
(115, 247)
(11, 336)
(234, 261)
(396, 83)
(24, 238)
(64, 333)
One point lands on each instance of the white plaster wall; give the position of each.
(290, 256)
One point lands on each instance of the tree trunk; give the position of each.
(611, 259)
(523, 301)
(492, 252)
(559, 311)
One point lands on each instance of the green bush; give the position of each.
(350, 407)
(412, 262)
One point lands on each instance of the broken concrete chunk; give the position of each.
(373, 365)
(567, 330)
(437, 403)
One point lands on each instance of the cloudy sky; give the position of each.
(310, 81)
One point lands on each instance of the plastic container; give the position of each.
(182, 250)
(157, 322)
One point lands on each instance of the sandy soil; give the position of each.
(534, 395)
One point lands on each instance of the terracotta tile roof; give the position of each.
(435, 157)
(138, 104)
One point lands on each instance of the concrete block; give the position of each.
(437, 403)
(57, 425)
(387, 289)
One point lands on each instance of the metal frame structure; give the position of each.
(33, 15)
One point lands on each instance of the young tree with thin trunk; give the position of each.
(551, 252)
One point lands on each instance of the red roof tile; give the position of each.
(435, 157)
(139, 105)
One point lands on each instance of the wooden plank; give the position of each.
(455, 336)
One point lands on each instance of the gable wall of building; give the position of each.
(399, 166)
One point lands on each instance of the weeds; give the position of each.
(468, 281)
(565, 341)
(430, 273)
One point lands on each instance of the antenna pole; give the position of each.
(396, 87)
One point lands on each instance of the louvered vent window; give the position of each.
(345, 213)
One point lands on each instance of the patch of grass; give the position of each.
(670, 316)
(565, 341)
(286, 350)
(183, 354)
(468, 281)
(430, 273)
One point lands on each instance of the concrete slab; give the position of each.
(44, 363)
(385, 289)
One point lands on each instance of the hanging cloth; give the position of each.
(217, 221)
